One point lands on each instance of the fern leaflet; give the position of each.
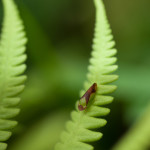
(11, 67)
(101, 65)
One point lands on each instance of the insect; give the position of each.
(89, 95)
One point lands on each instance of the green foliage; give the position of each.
(11, 67)
(101, 64)
(39, 136)
(138, 137)
(130, 91)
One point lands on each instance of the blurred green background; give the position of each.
(60, 36)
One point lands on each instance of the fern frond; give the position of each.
(138, 137)
(101, 65)
(11, 67)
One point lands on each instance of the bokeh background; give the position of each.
(60, 36)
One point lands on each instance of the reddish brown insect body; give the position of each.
(89, 94)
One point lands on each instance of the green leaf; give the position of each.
(12, 57)
(138, 137)
(43, 134)
(78, 130)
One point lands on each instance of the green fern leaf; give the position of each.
(101, 64)
(11, 67)
(138, 137)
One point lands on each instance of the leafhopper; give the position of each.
(88, 96)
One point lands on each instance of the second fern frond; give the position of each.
(12, 57)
